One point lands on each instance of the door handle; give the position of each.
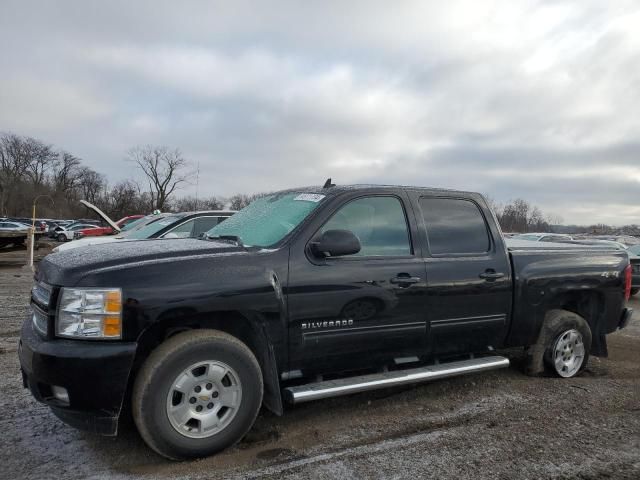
(404, 280)
(491, 275)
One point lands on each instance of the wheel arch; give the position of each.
(251, 333)
(588, 304)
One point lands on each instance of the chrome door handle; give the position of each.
(491, 275)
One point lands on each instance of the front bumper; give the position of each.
(95, 375)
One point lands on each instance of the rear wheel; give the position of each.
(62, 237)
(567, 351)
(196, 394)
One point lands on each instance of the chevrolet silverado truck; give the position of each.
(306, 294)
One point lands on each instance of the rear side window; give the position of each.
(204, 224)
(454, 226)
(378, 222)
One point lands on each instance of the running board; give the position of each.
(346, 386)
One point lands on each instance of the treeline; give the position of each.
(519, 216)
(30, 168)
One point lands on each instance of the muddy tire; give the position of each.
(562, 335)
(197, 393)
(568, 343)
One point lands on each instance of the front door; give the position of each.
(350, 311)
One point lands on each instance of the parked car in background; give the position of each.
(543, 237)
(68, 233)
(13, 232)
(634, 258)
(162, 225)
(67, 224)
(602, 243)
(100, 231)
(38, 224)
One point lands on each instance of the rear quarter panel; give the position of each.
(543, 277)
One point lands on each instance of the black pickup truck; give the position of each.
(305, 294)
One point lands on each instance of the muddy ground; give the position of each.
(497, 425)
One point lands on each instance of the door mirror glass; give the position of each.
(335, 243)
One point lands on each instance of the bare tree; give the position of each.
(186, 204)
(91, 184)
(41, 158)
(122, 199)
(66, 172)
(239, 201)
(164, 169)
(14, 162)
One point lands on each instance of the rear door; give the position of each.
(468, 275)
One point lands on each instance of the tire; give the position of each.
(634, 291)
(567, 345)
(62, 237)
(165, 395)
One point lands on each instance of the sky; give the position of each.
(532, 99)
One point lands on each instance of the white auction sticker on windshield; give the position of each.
(309, 197)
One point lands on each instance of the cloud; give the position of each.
(529, 99)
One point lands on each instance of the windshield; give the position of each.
(269, 219)
(151, 227)
(137, 222)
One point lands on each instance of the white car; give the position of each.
(67, 234)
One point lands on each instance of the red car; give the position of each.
(100, 231)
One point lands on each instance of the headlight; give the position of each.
(90, 313)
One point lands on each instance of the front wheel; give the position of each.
(196, 394)
(62, 237)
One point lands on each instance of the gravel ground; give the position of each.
(497, 425)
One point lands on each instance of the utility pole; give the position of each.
(32, 233)
(197, 182)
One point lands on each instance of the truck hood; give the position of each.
(67, 268)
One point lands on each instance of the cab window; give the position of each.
(454, 226)
(379, 223)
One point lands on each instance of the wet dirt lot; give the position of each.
(500, 424)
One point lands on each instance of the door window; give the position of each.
(204, 224)
(379, 223)
(454, 226)
(181, 231)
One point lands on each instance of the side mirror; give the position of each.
(335, 243)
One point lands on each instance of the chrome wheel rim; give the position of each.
(568, 353)
(204, 399)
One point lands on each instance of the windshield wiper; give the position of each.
(233, 238)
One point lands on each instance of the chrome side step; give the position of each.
(345, 386)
